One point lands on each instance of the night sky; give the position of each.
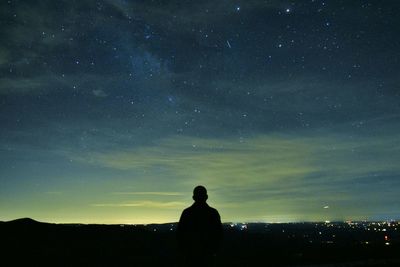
(112, 111)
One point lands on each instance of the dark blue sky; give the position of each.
(112, 111)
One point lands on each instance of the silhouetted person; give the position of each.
(199, 231)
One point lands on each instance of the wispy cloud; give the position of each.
(273, 156)
(185, 15)
(149, 193)
(266, 168)
(54, 193)
(147, 204)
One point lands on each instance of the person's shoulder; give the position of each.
(186, 213)
(188, 210)
(213, 210)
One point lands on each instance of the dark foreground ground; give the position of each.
(26, 242)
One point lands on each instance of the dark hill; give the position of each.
(23, 221)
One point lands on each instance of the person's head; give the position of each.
(200, 194)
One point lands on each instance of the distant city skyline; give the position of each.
(113, 111)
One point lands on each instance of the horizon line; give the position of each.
(225, 222)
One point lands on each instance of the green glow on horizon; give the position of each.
(266, 178)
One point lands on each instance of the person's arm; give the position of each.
(180, 230)
(217, 231)
(219, 228)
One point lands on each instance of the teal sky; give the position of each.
(113, 111)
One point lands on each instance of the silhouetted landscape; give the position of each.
(26, 241)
